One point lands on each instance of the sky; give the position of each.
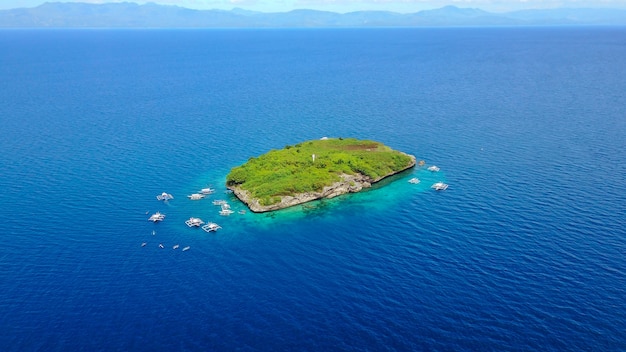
(402, 6)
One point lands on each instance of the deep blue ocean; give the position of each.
(525, 251)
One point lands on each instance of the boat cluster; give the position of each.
(225, 210)
(437, 186)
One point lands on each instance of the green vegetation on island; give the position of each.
(311, 166)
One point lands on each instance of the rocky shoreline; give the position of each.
(348, 184)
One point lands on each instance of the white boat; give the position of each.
(194, 222)
(433, 168)
(219, 202)
(226, 210)
(164, 196)
(186, 248)
(207, 190)
(156, 217)
(211, 227)
(439, 186)
(153, 232)
(144, 244)
(161, 245)
(175, 246)
(195, 196)
(414, 180)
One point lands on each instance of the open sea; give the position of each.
(525, 251)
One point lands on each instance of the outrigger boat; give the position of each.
(207, 190)
(195, 196)
(433, 168)
(156, 217)
(226, 210)
(211, 227)
(194, 222)
(164, 196)
(439, 186)
(414, 180)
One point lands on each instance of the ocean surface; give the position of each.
(525, 251)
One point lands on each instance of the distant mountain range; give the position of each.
(131, 15)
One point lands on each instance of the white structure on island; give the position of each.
(156, 217)
(211, 227)
(164, 196)
(439, 186)
(194, 222)
(195, 196)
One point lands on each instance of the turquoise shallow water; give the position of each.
(524, 251)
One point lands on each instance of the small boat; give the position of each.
(194, 222)
(196, 196)
(439, 186)
(226, 210)
(153, 232)
(219, 202)
(144, 244)
(175, 246)
(433, 168)
(161, 245)
(207, 190)
(186, 248)
(242, 212)
(211, 227)
(421, 163)
(156, 217)
(164, 196)
(414, 180)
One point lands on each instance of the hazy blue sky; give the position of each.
(350, 5)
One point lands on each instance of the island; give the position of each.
(313, 170)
